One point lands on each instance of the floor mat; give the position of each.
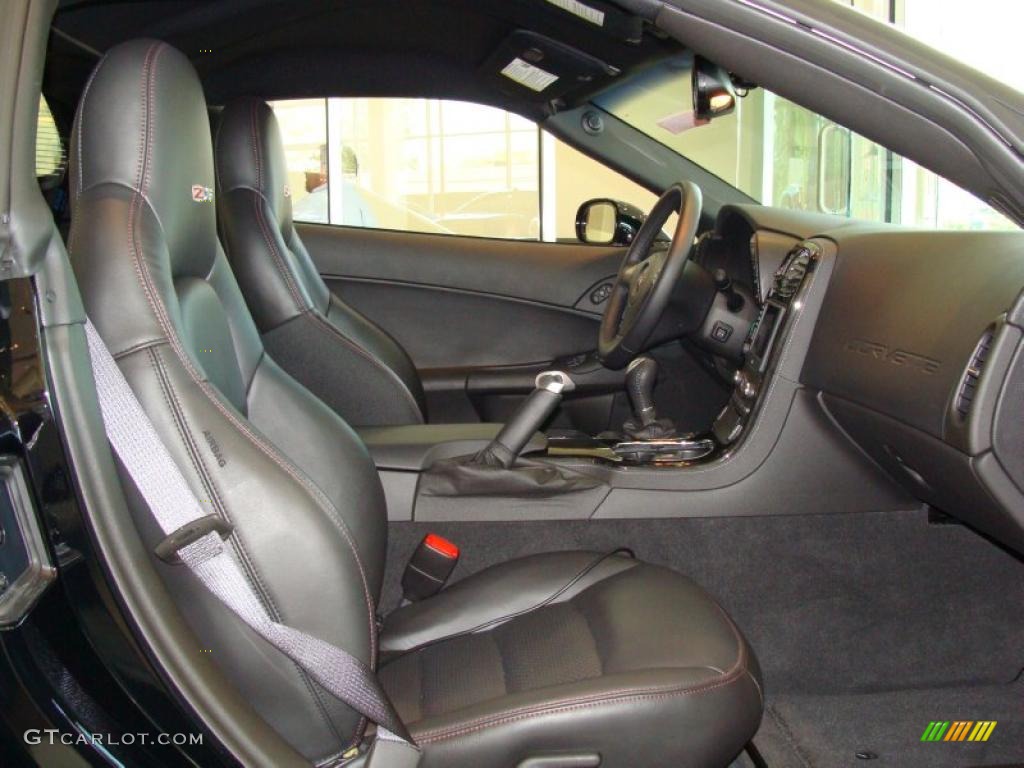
(828, 731)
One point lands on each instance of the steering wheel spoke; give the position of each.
(629, 274)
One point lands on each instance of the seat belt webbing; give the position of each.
(172, 503)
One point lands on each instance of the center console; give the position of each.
(763, 348)
(765, 343)
(442, 472)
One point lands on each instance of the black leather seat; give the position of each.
(343, 358)
(568, 653)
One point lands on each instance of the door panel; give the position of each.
(460, 302)
(443, 328)
(478, 316)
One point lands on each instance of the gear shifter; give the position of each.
(505, 448)
(641, 376)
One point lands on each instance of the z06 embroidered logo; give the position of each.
(201, 194)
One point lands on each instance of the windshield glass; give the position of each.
(786, 156)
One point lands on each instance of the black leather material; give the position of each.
(571, 652)
(415, 447)
(255, 446)
(482, 475)
(633, 662)
(338, 354)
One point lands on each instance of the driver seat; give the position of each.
(343, 358)
(560, 659)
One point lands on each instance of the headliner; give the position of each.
(274, 49)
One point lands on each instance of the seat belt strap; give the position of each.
(176, 509)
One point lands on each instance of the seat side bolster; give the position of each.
(261, 260)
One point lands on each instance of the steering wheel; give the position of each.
(648, 276)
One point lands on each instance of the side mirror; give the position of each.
(714, 94)
(608, 222)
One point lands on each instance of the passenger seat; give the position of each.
(587, 657)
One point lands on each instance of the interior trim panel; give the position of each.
(548, 273)
(928, 381)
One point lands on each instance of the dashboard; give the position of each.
(916, 354)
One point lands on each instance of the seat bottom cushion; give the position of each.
(612, 657)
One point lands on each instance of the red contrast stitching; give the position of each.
(159, 310)
(734, 673)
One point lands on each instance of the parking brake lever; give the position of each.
(505, 448)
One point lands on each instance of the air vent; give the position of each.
(969, 385)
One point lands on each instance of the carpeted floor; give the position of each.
(830, 603)
(812, 731)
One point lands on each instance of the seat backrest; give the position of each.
(347, 361)
(256, 447)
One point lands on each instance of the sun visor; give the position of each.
(536, 68)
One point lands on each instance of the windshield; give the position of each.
(786, 156)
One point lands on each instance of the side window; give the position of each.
(570, 178)
(436, 166)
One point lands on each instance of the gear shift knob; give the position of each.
(641, 375)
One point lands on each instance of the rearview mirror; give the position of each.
(714, 94)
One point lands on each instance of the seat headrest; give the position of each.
(142, 125)
(250, 155)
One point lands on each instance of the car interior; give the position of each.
(708, 483)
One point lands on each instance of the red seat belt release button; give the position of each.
(429, 567)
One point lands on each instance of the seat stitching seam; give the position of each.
(249, 566)
(175, 343)
(143, 170)
(278, 259)
(204, 386)
(160, 312)
(286, 275)
(137, 347)
(255, 145)
(651, 694)
(81, 124)
(331, 330)
(311, 312)
(736, 671)
(186, 437)
(206, 478)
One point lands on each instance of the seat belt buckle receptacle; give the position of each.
(429, 567)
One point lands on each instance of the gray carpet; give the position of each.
(831, 604)
(810, 731)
